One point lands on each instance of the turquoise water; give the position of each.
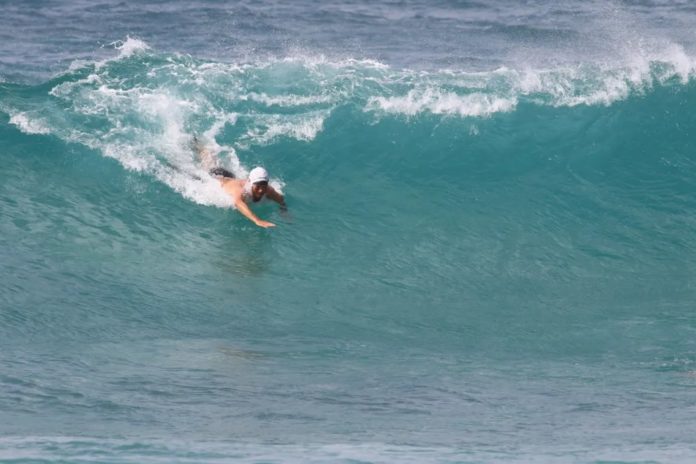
(483, 261)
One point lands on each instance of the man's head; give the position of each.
(258, 178)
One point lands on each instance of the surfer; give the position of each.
(252, 189)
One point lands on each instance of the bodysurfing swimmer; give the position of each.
(253, 189)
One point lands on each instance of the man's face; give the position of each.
(258, 190)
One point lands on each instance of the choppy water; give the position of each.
(489, 255)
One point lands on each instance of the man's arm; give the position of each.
(243, 208)
(277, 197)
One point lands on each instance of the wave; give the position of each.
(142, 107)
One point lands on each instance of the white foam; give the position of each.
(306, 129)
(571, 87)
(452, 92)
(78, 64)
(435, 101)
(29, 125)
(130, 46)
(303, 127)
(313, 60)
(289, 100)
(606, 83)
(680, 62)
(65, 89)
(611, 90)
(149, 134)
(201, 189)
(183, 176)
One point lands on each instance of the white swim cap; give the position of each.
(258, 174)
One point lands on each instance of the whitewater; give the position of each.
(488, 254)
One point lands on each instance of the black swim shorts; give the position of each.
(221, 172)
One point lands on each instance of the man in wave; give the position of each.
(253, 189)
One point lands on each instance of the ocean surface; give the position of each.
(489, 253)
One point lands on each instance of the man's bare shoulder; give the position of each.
(233, 186)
